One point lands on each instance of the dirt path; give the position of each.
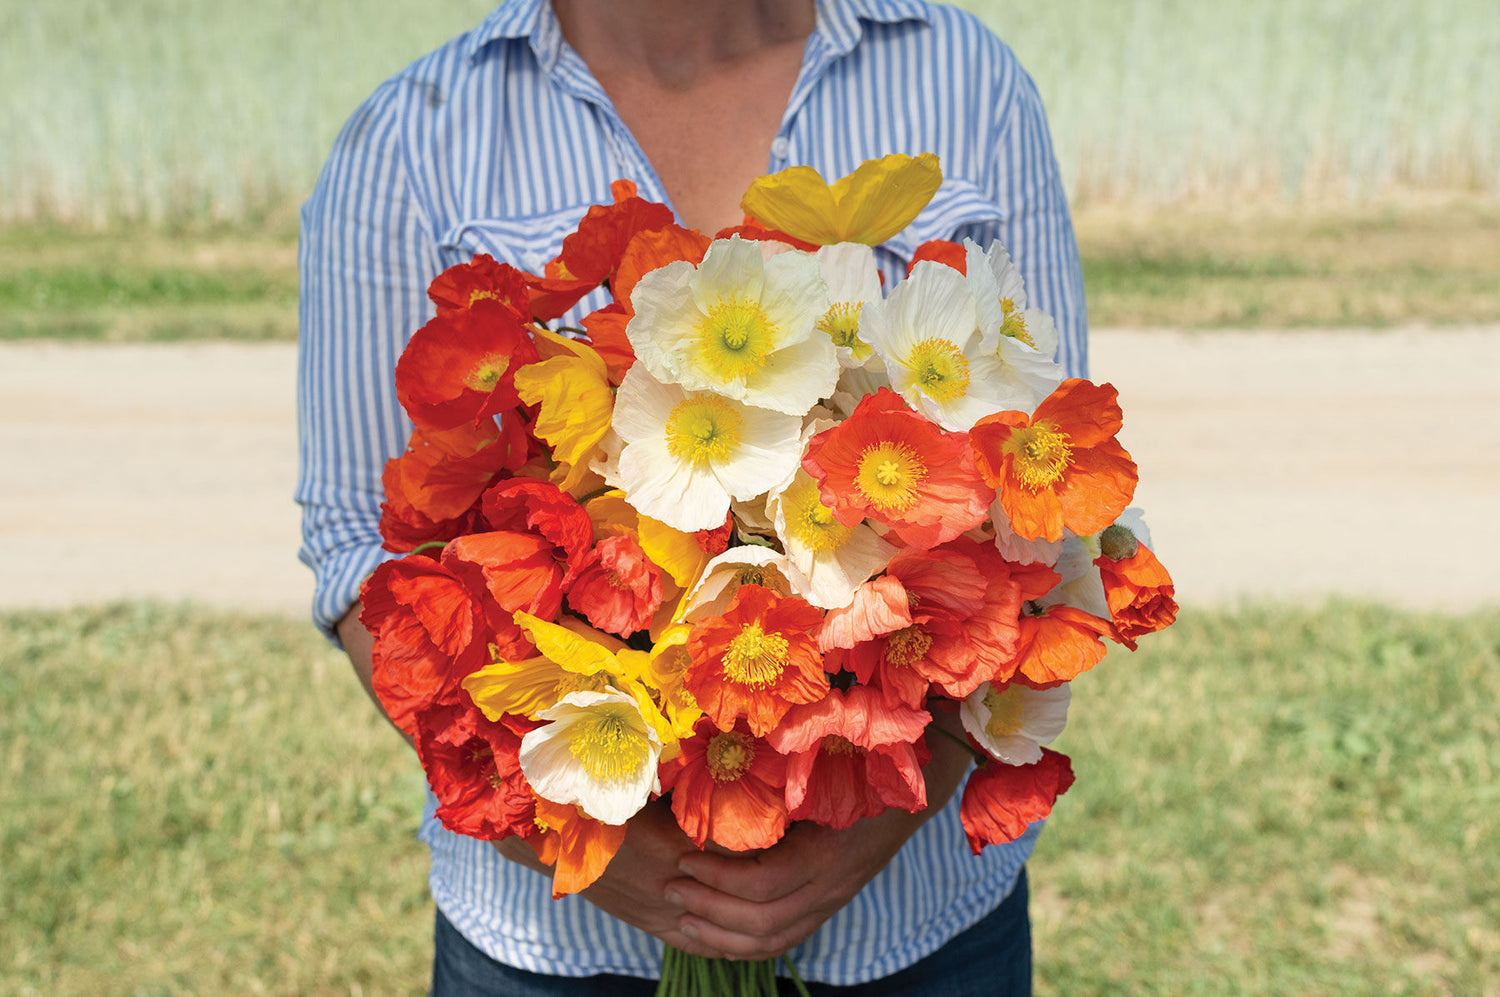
(1281, 465)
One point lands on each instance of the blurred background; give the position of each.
(1289, 215)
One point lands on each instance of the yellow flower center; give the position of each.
(1006, 712)
(755, 658)
(841, 324)
(1039, 454)
(608, 744)
(486, 373)
(907, 646)
(734, 340)
(729, 755)
(837, 744)
(1014, 324)
(939, 369)
(703, 430)
(888, 475)
(810, 522)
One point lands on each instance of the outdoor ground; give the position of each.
(1275, 465)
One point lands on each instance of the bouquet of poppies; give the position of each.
(742, 535)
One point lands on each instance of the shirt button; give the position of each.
(780, 147)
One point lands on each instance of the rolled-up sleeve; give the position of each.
(366, 255)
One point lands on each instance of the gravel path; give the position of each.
(1275, 465)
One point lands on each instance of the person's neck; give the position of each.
(674, 42)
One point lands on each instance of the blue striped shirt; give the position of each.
(497, 143)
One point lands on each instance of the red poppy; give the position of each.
(433, 489)
(428, 635)
(528, 505)
(1001, 801)
(461, 366)
(1061, 467)
(460, 286)
(849, 755)
(728, 787)
(508, 571)
(473, 766)
(757, 660)
(943, 251)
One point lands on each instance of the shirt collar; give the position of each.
(838, 21)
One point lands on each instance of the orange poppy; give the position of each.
(591, 254)
(728, 787)
(757, 660)
(461, 366)
(527, 505)
(849, 755)
(1056, 643)
(460, 286)
(1061, 467)
(893, 465)
(508, 572)
(942, 251)
(1139, 592)
(577, 847)
(1001, 801)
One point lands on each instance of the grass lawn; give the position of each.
(1270, 801)
(1434, 262)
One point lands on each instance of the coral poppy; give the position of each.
(849, 755)
(1061, 467)
(460, 367)
(615, 586)
(757, 660)
(728, 787)
(1001, 801)
(894, 466)
(880, 198)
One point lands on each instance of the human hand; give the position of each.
(633, 886)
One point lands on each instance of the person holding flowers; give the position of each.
(497, 144)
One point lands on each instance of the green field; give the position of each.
(1270, 801)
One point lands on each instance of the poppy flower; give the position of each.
(508, 571)
(598, 751)
(473, 767)
(1137, 586)
(1061, 467)
(944, 251)
(1000, 295)
(460, 367)
(432, 490)
(458, 287)
(526, 505)
(728, 787)
(850, 755)
(1001, 801)
(574, 402)
(1012, 722)
(894, 466)
(853, 282)
(880, 198)
(428, 631)
(831, 558)
(615, 586)
(757, 660)
(577, 847)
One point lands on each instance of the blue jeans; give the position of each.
(991, 959)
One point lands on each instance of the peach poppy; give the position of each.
(1001, 801)
(615, 586)
(1061, 467)
(460, 367)
(728, 787)
(850, 755)
(459, 286)
(428, 631)
(757, 660)
(577, 847)
(1137, 586)
(893, 465)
